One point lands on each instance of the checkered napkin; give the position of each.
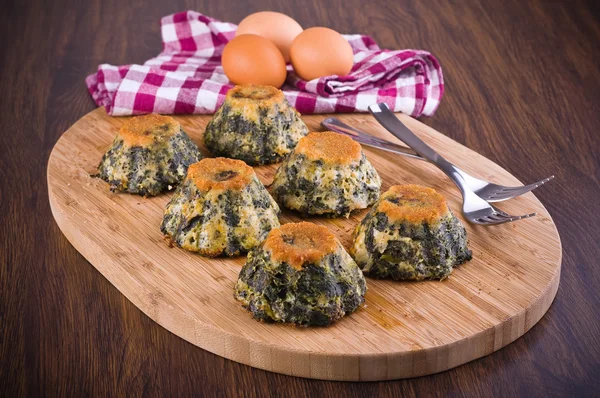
(187, 77)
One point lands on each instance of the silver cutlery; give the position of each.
(486, 190)
(476, 209)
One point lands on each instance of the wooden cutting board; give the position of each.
(404, 329)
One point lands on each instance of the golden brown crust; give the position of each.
(266, 95)
(147, 129)
(332, 148)
(413, 203)
(220, 174)
(300, 243)
(249, 99)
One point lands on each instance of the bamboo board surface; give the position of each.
(404, 329)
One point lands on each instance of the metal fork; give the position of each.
(484, 189)
(477, 210)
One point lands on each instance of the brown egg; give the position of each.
(274, 26)
(319, 52)
(251, 59)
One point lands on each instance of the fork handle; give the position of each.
(387, 119)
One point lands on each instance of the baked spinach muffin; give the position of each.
(410, 234)
(300, 274)
(151, 154)
(255, 124)
(326, 174)
(221, 208)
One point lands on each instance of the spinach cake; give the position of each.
(410, 234)
(150, 154)
(221, 208)
(300, 274)
(255, 124)
(326, 174)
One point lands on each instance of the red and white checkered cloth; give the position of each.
(187, 77)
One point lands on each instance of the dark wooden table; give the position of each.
(522, 88)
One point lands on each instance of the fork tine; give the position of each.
(513, 218)
(535, 184)
(498, 211)
(493, 218)
(524, 216)
(512, 192)
(490, 221)
(500, 217)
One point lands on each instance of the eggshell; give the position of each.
(274, 26)
(251, 59)
(318, 52)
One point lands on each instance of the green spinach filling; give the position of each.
(308, 186)
(228, 223)
(405, 251)
(318, 294)
(151, 170)
(265, 139)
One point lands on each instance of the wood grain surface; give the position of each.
(522, 88)
(402, 330)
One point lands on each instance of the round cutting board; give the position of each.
(404, 329)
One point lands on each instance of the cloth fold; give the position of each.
(187, 76)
